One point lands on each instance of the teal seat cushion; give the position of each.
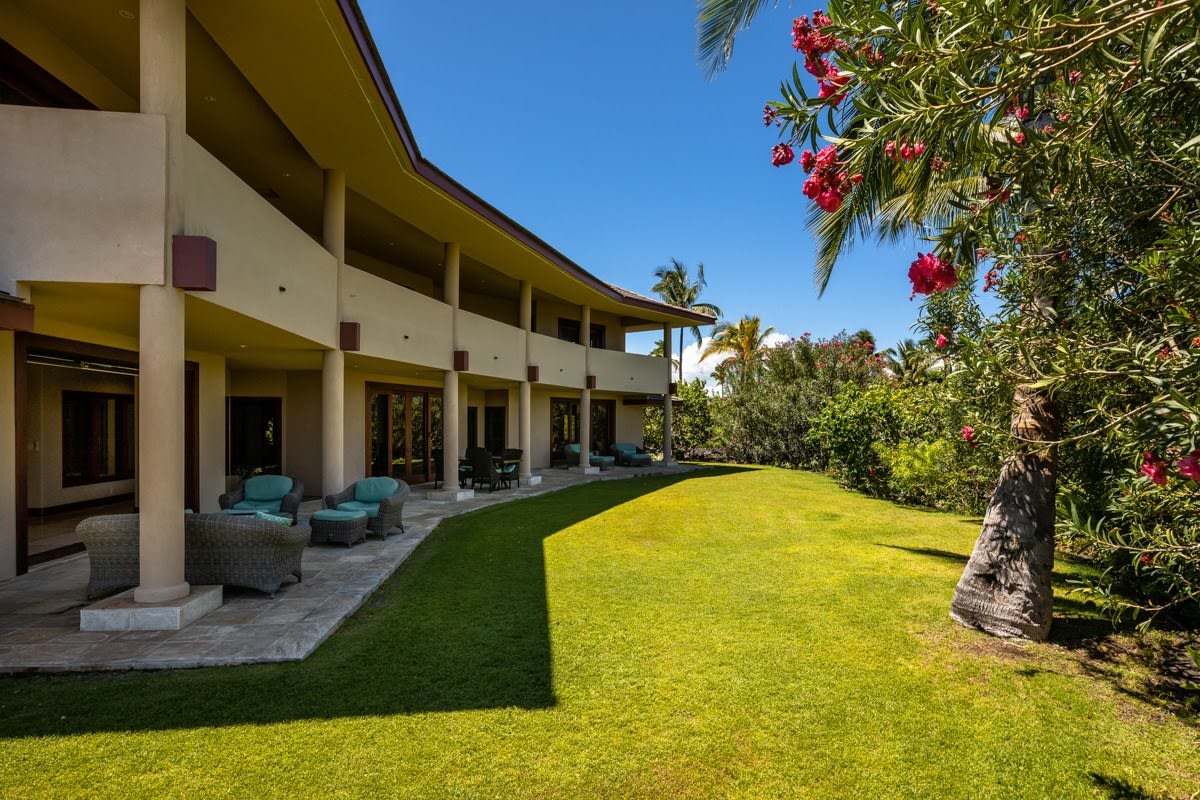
(334, 515)
(372, 490)
(259, 505)
(625, 448)
(268, 487)
(370, 509)
(276, 518)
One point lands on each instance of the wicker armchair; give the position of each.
(382, 499)
(265, 493)
(484, 470)
(218, 549)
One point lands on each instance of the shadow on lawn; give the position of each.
(463, 625)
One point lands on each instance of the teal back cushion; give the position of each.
(572, 448)
(373, 490)
(625, 447)
(268, 487)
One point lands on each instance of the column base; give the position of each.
(585, 470)
(531, 480)
(122, 613)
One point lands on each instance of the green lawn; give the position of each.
(732, 633)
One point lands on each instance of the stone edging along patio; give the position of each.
(39, 612)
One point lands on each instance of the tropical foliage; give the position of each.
(1047, 150)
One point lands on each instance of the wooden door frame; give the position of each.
(374, 388)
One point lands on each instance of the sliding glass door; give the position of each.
(404, 428)
(564, 425)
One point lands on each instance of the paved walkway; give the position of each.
(39, 611)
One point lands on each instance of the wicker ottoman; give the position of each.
(342, 527)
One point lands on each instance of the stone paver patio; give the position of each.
(39, 611)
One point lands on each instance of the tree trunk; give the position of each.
(1006, 589)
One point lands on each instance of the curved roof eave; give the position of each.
(358, 29)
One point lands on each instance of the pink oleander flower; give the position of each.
(1154, 468)
(1146, 560)
(781, 154)
(906, 151)
(941, 342)
(1021, 113)
(1019, 138)
(1073, 76)
(769, 114)
(807, 161)
(930, 274)
(889, 150)
(968, 433)
(1189, 466)
(833, 88)
(918, 149)
(981, 253)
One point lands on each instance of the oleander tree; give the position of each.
(1047, 151)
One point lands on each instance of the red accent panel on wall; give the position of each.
(532, 374)
(350, 336)
(194, 263)
(461, 361)
(591, 381)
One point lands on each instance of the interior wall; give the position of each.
(629, 423)
(43, 425)
(301, 430)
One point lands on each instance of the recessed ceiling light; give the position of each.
(125, 14)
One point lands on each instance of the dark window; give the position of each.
(596, 337)
(97, 437)
(568, 330)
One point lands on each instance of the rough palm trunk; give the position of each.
(1006, 588)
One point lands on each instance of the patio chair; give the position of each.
(512, 465)
(275, 494)
(630, 455)
(484, 470)
(381, 499)
(571, 451)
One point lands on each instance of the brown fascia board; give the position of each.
(357, 26)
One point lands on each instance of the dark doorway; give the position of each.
(254, 436)
(493, 429)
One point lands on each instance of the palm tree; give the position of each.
(676, 287)
(909, 362)
(745, 341)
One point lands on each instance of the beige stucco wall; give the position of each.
(498, 308)
(560, 363)
(68, 329)
(84, 200)
(497, 350)
(629, 423)
(393, 273)
(258, 251)
(397, 323)
(301, 428)
(628, 372)
(44, 440)
(8, 460)
(355, 428)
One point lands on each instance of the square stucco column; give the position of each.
(668, 454)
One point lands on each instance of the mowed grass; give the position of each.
(732, 633)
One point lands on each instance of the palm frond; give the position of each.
(718, 23)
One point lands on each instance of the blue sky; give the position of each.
(593, 126)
